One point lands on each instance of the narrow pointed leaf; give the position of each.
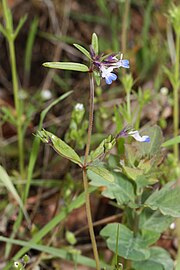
(95, 43)
(60, 217)
(171, 142)
(20, 25)
(62, 148)
(3, 31)
(83, 50)
(66, 254)
(5, 179)
(67, 66)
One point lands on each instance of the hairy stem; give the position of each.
(128, 100)
(176, 129)
(176, 97)
(85, 179)
(91, 110)
(89, 218)
(125, 26)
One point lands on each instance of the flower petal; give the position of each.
(107, 74)
(110, 78)
(123, 63)
(139, 138)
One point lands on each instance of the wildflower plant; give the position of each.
(129, 182)
(133, 177)
(101, 66)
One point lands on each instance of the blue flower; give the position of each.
(123, 63)
(110, 78)
(108, 75)
(135, 134)
(106, 64)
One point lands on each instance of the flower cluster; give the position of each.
(106, 64)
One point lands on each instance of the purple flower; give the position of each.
(105, 65)
(133, 133)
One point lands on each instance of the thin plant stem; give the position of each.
(17, 106)
(176, 98)
(19, 133)
(125, 26)
(89, 218)
(176, 127)
(128, 100)
(91, 110)
(85, 179)
(138, 117)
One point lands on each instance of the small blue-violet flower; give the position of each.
(105, 65)
(107, 74)
(135, 134)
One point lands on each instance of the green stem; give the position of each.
(176, 127)
(89, 218)
(91, 110)
(85, 179)
(138, 118)
(17, 105)
(19, 132)
(176, 97)
(125, 26)
(128, 106)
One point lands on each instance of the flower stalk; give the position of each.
(176, 97)
(85, 179)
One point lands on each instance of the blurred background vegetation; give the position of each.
(141, 31)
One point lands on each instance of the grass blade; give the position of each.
(5, 179)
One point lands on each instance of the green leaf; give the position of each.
(20, 25)
(8, 115)
(36, 143)
(159, 260)
(83, 50)
(106, 145)
(129, 247)
(67, 66)
(132, 173)
(153, 147)
(95, 43)
(102, 172)
(3, 31)
(154, 221)
(71, 255)
(5, 179)
(29, 46)
(131, 154)
(62, 148)
(171, 142)
(60, 217)
(97, 77)
(120, 189)
(166, 200)
(46, 110)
